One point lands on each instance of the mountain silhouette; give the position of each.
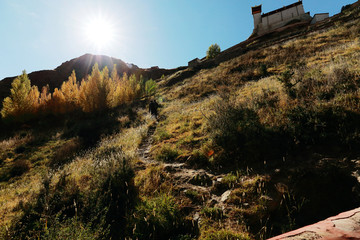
(82, 66)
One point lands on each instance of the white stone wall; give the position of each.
(257, 19)
(285, 15)
(300, 9)
(319, 17)
(277, 20)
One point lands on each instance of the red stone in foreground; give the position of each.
(343, 226)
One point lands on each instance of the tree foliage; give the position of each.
(98, 91)
(23, 100)
(213, 51)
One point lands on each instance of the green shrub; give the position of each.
(286, 78)
(213, 51)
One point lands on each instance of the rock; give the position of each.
(225, 196)
(196, 217)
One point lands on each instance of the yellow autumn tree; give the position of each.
(33, 100)
(114, 81)
(57, 104)
(105, 89)
(23, 100)
(121, 89)
(95, 90)
(70, 91)
(44, 100)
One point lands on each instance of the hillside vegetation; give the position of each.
(258, 145)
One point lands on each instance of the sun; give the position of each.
(99, 32)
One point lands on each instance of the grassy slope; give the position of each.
(189, 102)
(326, 57)
(325, 62)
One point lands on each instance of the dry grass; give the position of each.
(25, 163)
(184, 125)
(152, 181)
(126, 142)
(15, 141)
(20, 191)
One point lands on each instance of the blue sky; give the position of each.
(41, 34)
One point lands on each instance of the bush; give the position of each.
(213, 51)
(238, 131)
(286, 79)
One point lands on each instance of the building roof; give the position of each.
(282, 9)
(256, 9)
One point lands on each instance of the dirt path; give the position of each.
(187, 182)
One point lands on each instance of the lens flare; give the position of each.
(99, 32)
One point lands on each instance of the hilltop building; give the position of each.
(281, 17)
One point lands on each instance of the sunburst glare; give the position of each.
(99, 32)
